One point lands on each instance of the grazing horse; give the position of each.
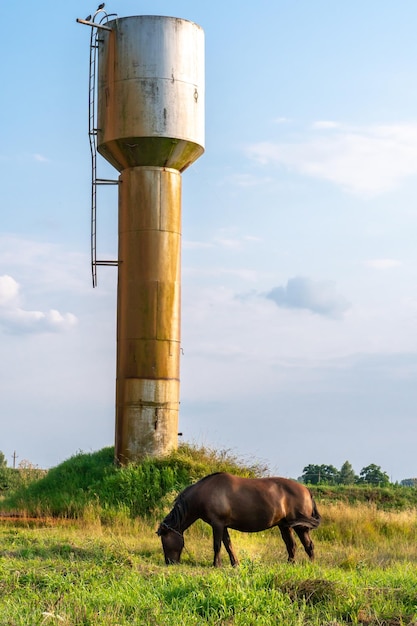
(245, 504)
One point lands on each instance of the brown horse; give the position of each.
(245, 504)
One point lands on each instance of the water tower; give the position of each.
(150, 127)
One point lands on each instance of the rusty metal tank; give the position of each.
(151, 92)
(150, 127)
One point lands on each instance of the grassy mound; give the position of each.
(142, 489)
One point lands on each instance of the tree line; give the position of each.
(13, 478)
(328, 474)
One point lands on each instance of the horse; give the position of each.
(248, 505)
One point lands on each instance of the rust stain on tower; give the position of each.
(150, 127)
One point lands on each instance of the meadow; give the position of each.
(105, 567)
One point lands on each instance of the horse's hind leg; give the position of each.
(228, 545)
(305, 539)
(289, 542)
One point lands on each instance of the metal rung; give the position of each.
(112, 263)
(106, 181)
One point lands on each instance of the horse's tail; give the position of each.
(309, 522)
(306, 522)
(315, 514)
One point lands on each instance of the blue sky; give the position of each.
(299, 264)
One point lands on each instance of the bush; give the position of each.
(9, 478)
(387, 498)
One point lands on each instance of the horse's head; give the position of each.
(172, 543)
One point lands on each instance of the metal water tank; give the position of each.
(151, 92)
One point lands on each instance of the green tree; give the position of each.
(316, 474)
(373, 475)
(5, 473)
(346, 475)
(409, 482)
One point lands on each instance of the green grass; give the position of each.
(92, 557)
(84, 573)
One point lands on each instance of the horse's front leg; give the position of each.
(217, 544)
(228, 545)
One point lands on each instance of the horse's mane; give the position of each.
(176, 516)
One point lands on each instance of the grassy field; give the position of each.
(87, 554)
(86, 573)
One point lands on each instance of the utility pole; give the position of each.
(14, 457)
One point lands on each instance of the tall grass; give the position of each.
(89, 573)
(363, 535)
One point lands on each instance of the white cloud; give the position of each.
(14, 319)
(228, 243)
(270, 333)
(57, 268)
(248, 275)
(9, 291)
(196, 245)
(223, 239)
(282, 120)
(362, 160)
(252, 238)
(40, 158)
(383, 264)
(248, 180)
(304, 293)
(325, 124)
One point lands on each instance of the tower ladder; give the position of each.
(92, 133)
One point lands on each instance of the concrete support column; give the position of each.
(148, 313)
